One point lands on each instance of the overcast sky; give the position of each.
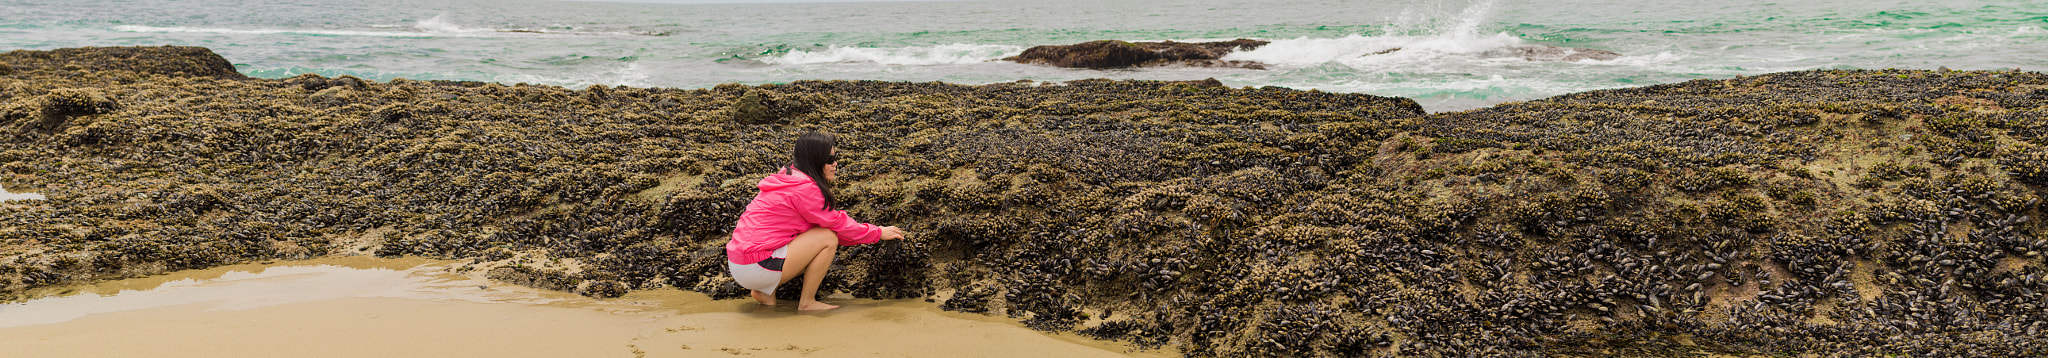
(750, 1)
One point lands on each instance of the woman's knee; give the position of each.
(818, 234)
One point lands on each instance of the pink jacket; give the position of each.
(790, 204)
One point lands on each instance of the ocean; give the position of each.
(1444, 61)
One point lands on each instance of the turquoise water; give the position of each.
(1444, 61)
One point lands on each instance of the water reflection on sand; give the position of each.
(363, 306)
(7, 196)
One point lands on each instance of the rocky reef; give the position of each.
(1114, 54)
(1107, 54)
(1834, 213)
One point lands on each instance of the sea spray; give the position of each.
(1448, 61)
(441, 24)
(1371, 53)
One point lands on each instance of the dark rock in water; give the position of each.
(1120, 54)
(1551, 53)
(163, 60)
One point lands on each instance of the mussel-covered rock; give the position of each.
(162, 60)
(54, 110)
(604, 289)
(1834, 213)
(536, 278)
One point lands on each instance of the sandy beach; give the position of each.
(364, 307)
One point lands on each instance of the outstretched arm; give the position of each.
(850, 232)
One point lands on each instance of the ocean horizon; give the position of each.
(1448, 59)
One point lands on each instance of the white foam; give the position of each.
(951, 54)
(6, 196)
(1407, 44)
(439, 24)
(631, 74)
(1469, 20)
(1661, 60)
(1372, 49)
(552, 31)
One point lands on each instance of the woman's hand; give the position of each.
(891, 233)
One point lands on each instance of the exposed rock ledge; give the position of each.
(163, 60)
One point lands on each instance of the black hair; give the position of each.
(813, 152)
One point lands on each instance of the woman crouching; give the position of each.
(794, 226)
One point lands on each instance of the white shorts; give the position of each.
(758, 276)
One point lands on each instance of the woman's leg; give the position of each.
(810, 254)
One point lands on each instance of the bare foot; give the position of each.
(765, 300)
(814, 306)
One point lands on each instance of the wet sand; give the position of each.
(360, 306)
